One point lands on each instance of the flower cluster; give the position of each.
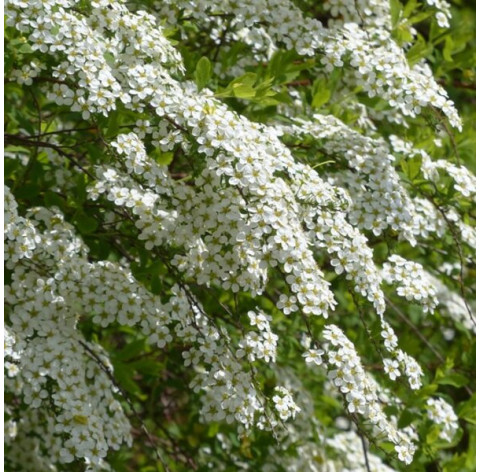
(453, 305)
(349, 448)
(261, 344)
(221, 203)
(411, 281)
(54, 363)
(442, 413)
(284, 403)
(378, 64)
(360, 391)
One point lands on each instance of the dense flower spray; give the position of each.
(230, 241)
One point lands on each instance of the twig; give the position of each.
(449, 133)
(416, 330)
(28, 142)
(461, 261)
(364, 450)
(60, 131)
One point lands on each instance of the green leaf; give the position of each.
(424, 15)
(448, 49)
(80, 189)
(162, 158)
(156, 285)
(396, 9)
(28, 191)
(203, 72)
(124, 375)
(406, 418)
(213, 429)
(130, 350)
(147, 366)
(25, 49)
(432, 435)
(454, 379)
(412, 167)
(11, 165)
(402, 33)
(52, 199)
(86, 224)
(113, 125)
(418, 51)
(109, 58)
(243, 91)
(425, 392)
(320, 93)
(281, 67)
(410, 6)
(467, 410)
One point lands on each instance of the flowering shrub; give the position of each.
(239, 235)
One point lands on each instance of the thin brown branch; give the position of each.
(27, 141)
(415, 330)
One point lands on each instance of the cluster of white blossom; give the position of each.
(379, 200)
(260, 344)
(442, 413)
(443, 13)
(27, 73)
(380, 65)
(284, 403)
(399, 360)
(229, 392)
(44, 344)
(54, 372)
(377, 13)
(453, 304)
(349, 448)
(411, 281)
(249, 208)
(360, 391)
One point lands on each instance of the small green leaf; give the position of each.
(80, 189)
(320, 93)
(53, 200)
(155, 285)
(113, 125)
(396, 9)
(454, 379)
(433, 435)
(419, 51)
(426, 391)
(448, 49)
(131, 350)
(28, 191)
(86, 224)
(410, 6)
(109, 58)
(424, 15)
(124, 375)
(203, 72)
(406, 418)
(412, 167)
(467, 410)
(243, 91)
(25, 49)
(147, 367)
(213, 429)
(81, 419)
